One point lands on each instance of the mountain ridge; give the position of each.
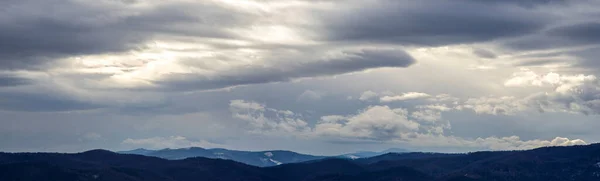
(257, 158)
(581, 163)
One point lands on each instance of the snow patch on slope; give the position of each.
(275, 161)
(221, 156)
(268, 154)
(353, 157)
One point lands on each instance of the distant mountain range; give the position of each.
(574, 163)
(367, 154)
(257, 158)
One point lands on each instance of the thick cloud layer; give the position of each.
(431, 22)
(288, 70)
(374, 124)
(11, 80)
(35, 32)
(337, 75)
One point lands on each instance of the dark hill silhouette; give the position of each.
(309, 170)
(579, 163)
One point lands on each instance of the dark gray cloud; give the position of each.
(585, 33)
(538, 62)
(290, 69)
(578, 40)
(524, 3)
(565, 36)
(11, 81)
(35, 32)
(14, 101)
(588, 57)
(46, 109)
(585, 59)
(432, 22)
(483, 53)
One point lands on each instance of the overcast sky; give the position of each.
(319, 77)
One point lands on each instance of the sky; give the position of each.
(320, 77)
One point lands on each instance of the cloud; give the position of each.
(295, 68)
(368, 95)
(568, 93)
(168, 142)
(515, 143)
(241, 105)
(563, 93)
(571, 42)
(581, 96)
(494, 105)
(492, 143)
(113, 58)
(404, 97)
(374, 123)
(584, 33)
(437, 107)
(11, 81)
(33, 102)
(45, 92)
(44, 33)
(431, 23)
(553, 92)
(530, 78)
(310, 95)
(87, 51)
(389, 97)
(483, 53)
(157, 46)
(74, 92)
(268, 121)
(427, 115)
(571, 34)
(556, 93)
(528, 3)
(423, 127)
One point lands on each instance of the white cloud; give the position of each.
(368, 95)
(566, 93)
(527, 77)
(332, 119)
(490, 143)
(373, 123)
(427, 115)
(383, 124)
(576, 94)
(281, 121)
(445, 98)
(310, 95)
(560, 93)
(515, 143)
(241, 105)
(437, 107)
(168, 142)
(404, 97)
(494, 105)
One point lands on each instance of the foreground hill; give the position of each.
(105, 165)
(579, 163)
